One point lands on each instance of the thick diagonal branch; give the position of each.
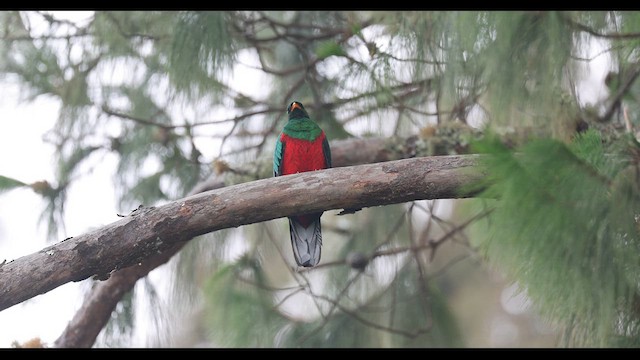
(135, 238)
(91, 318)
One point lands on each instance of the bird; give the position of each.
(302, 146)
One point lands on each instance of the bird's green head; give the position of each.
(296, 111)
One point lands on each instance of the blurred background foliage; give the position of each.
(550, 256)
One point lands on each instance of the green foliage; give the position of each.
(202, 45)
(537, 46)
(238, 312)
(564, 227)
(242, 313)
(443, 329)
(118, 331)
(329, 48)
(148, 189)
(69, 167)
(7, 183)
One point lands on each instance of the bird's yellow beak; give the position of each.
(296, 105)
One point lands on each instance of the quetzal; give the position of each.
(302, 146)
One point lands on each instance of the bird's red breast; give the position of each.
(302, 155)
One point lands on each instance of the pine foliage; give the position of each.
(565, 228)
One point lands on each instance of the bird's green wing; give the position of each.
(277, 158)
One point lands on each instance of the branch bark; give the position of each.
(89, 320)
(133, 239)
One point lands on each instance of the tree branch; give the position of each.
(133, 239)
(83, 329)
(596, 33)
(631, 76)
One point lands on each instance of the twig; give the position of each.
(626, 85)
(589, 30)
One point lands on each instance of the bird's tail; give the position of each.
(306, 241)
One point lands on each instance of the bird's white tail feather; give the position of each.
(306, 242)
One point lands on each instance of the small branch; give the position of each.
(44, 37)
(334, 304)
(627, 121)
(82, 331)
(591, 31)
(452, 232)
(139, 120)
(600, 53)
(129, 35)
(433, 245)
(235, 119)
(355, 316)
(615, 102)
